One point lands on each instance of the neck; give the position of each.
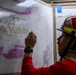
(71, 56)
(71, 59)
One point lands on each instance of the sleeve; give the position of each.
(29, 69)
(58, 68)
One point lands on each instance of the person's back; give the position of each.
(70, 67)
(64, 67)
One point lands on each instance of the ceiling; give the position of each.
(48, 1)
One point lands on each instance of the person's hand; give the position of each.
(30, 40)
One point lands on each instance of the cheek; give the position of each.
(59, 39)
(63, 43)
(62, 40)
(60, 45)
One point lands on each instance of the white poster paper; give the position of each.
(16, 21)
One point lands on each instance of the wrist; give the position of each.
(28, 49)
(28, 55)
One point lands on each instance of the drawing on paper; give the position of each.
(8, 25)
(14, 53)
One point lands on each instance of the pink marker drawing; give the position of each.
(17, 1)
(15, 53)
(19, 46)
(27, 12)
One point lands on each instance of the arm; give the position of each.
(27, 65)
(29, 69)
(30, 41)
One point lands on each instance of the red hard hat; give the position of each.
(69, 22)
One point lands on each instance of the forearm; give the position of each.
(28, 55)
(27, 65)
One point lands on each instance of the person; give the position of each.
(66, 49)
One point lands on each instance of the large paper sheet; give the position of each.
(16, 21)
